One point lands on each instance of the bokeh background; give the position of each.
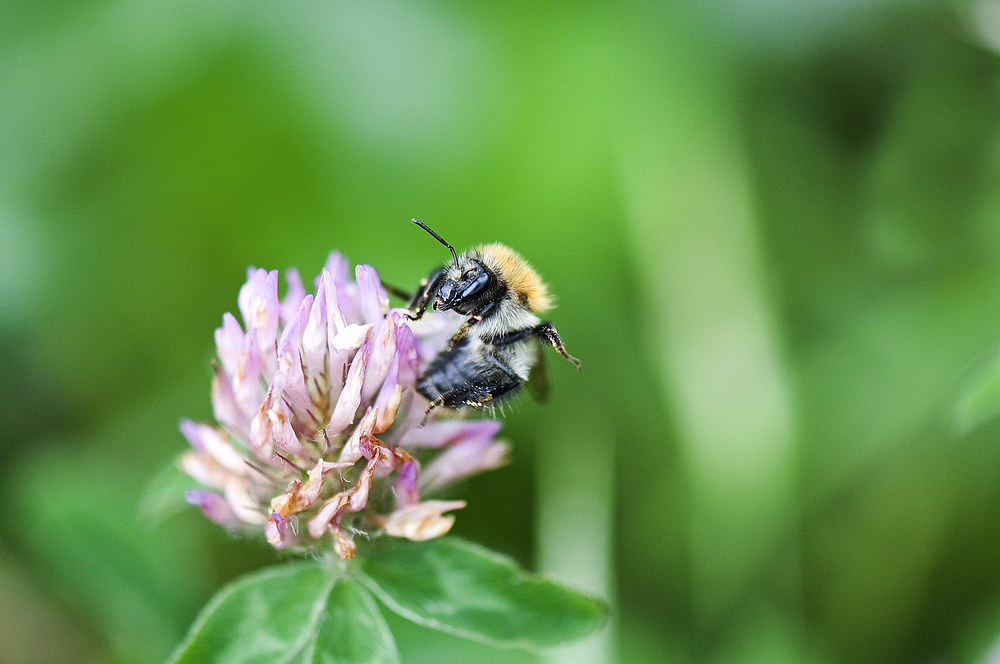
(773, 228)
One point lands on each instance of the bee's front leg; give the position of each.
(476, 317)
(422, 298)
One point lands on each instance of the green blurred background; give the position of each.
(773, 228)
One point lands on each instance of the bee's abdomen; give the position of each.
(461, 377)
(443, 376)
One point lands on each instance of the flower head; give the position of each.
(319, 425)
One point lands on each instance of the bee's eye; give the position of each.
(444, 293)
(482, 279)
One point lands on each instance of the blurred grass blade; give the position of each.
(457, 587)
(164, 495)
(304, 612)
(979, 396)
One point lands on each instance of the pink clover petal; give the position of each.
(229, 343)
(261, 440)
(289, 502)
(337, 354)
(293, 296)
(335, 316)
(314, 341)
(242, 503)
(314, 374)
(328, 511)
(386, 458)
(405, 486)
(387, 409)
(223, 451)
(465, 458)
(213, 506)
(372, 298)
(302, 316)
(445, 433)
(209, 440)
(224, 407)
(279, 531)
(204, 469)
(359, 492)
(351, 338)
(348, 340)
(350, 396)
(193, 432)
(342, 543)
(273, 426)
(351, 451)
(282, 430)
(338, 267)
(422, 521)
(367, 443)
(383, 351)
(290, 374)
(247, 386)
(258, 303)
(250, 293)
(406, 352)
(267, 330)
(317, 476)
(391, 381)
(347, 290)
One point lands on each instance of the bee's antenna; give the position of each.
(438, 237)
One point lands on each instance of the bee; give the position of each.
(498, 345)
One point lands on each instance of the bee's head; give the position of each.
(468, 284)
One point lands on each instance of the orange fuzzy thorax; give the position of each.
(519, 276)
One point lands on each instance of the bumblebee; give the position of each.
(497, 346)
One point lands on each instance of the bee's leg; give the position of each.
(511, 337)
(398, 292)
(547, 331)
(477, 316)
(422, 298)
(462, 331)
(437, 403)
(490, 386)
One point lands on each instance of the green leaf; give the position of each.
(457, 587)
(301, 613)
(979, 398)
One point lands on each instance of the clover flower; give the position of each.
(320, 428)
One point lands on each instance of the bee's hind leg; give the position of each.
(475, 395)
(545, 331)
(548, 332)
(437, 403)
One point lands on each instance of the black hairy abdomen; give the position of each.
(468, 375)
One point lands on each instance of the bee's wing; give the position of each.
(538, 379)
